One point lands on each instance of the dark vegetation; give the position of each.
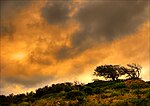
(115, 71)
(116, 92)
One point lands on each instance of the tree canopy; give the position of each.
(115, 71)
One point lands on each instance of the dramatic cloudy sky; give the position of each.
(51, 41)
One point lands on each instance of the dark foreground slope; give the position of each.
(135, 92)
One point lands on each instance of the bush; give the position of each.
(138, 102)
(123, 91)
(126, 90)
(146, 91)
(74, 94)
(67, 88)
(137, 91)
(41, 102)
(24, 104)
(91, 103)
(103, 96)
(119, 86)
(87, 90)
(56, 88)
(97, 90)
(49, 96)
(115, 94)
(134, 84)
(81, 99)
(119, 103)
(4, 101)
(148, 94)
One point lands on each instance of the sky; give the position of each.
(54, 41)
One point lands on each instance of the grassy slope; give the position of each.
(99, 93)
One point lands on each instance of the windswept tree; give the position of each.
(134, 70)
(108, 71)
(115, 71)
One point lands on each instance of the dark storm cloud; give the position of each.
(56, 12)
(10, 8)
(104, 21)
(64, 52)
(69, 52)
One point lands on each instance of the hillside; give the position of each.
(129, 92)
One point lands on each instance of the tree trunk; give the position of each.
(113, 78)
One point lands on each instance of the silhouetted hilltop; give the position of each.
(132, 91)
(129, 92)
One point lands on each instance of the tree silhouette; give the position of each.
(134, 70)
(115, 71)
(108, 71)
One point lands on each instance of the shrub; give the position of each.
(74, 94)
(115, 94)
(137, 92)
(41, 102)
(62, 93)
(103, 96)
(92, 103)
(123, 91)
(51, 95)
(146, 91)
(56, 88)
(119, 103)
(148, 94)
(19, 98)
(138, 102)
(97, 90)
(126, 90)
(119, 86)
(24, 104)
(134, 84)
(87, 90)
(67, 88)
(4, 101)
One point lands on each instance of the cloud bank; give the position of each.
(45, 42)
(105, 21)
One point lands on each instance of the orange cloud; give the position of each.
(35, 53)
